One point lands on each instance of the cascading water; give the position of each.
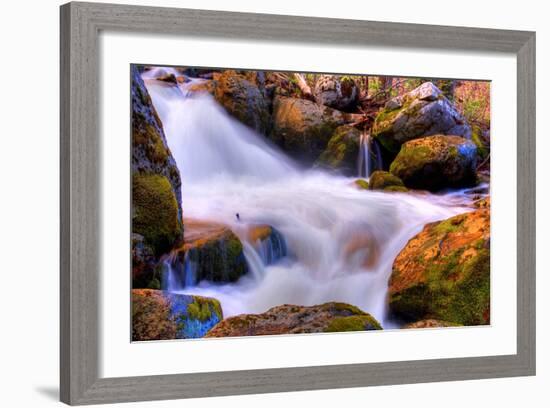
(364, 155)
(339, 242)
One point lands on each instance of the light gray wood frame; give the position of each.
(80, 192)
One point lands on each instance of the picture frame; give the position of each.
(80, 234)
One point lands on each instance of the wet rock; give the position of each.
(338, 92)
(210, 251)
(436, 162)
(286, 319)
(443, 273)
(241, 94)
(150, 152)
(424, 111)
(158, 315)
(303, 128)
(268, 241)
(155, 212)
(383, 180)
(342, 151)
(145, 270)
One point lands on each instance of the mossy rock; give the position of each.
(337, 91)
(443, 273)
(287, 319)
(342, 151)
(429, 324)
(150, 152)
(421, 112)
(155, 212)
(436, 162)
(210, 252)
(481, 142)
(361, 184)
(303, 128)
(158, 315)
(383, 180)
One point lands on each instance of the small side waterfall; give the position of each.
(364, 162)
(370, 156)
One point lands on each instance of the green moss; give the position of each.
(344, 308)
(381, 180)
(155, 212)
(202, 309)
(454, 291)
(353, 323)
(410, 157)
(450, 225)
(361, 183)
(482, 146)
(146, 135)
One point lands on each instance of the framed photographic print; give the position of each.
(291, 203)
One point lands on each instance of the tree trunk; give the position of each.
(304, 87)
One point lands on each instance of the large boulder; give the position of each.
(342, 151)
(150, 152)
(303, 128)
(286, 319)
(421, 112)
(436, 162)
(243, 96)
(156, 189)
(210, 251)
(443, 273)
(338, 92)
(158, 315)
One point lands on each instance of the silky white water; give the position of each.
(340, 241)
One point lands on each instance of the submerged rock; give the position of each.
(443, 272)
(211, 252)
(421, 112)
(303, 128)
(342, 151)
(436, 162)
(338, 92)
(158, 315)
(383, 180)
(286, 319)
(268, 241)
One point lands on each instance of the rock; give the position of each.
(424, 111)
(268, 241)
(211, 252)
(145, 270)
(383, 180)
(303, 128)
(286, 319)
(481, 140)
(483, 203)
(155, 212)
(429, 324)
(158, 315)
(170, 78)
(338, 92)
(436, 162)
(150, 152)
(342, 151)
(443, 272)
(241, 94)
(361, 184)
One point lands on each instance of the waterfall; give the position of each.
(364, 161)
(334, 242)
